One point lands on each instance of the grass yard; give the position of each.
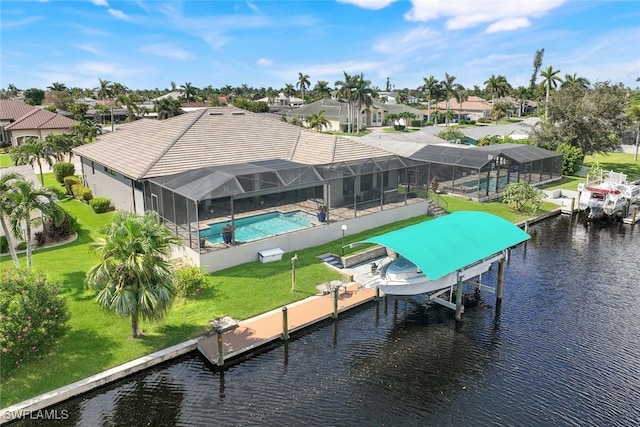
(617, 162)
(5, 160)
(98, 340)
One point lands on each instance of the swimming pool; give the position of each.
(260, 226)
(481, 184)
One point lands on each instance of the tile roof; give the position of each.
(212, 137)
(41, 119)
(12, 109)
(473, 103)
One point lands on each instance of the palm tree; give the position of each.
(345, 91)
(57, 87)
(134, 277)
(317, 121)
(61, 144)
(321, 90)
(573, 79)
(188, 91)
(430, 86)
(449, 88)
(24, 198)
(167, 107)
(303, 83)
(461, 96)
(6, 185)
(551, 80)
(289, 90)
(521, 94)
(33, 150)
(87, 130)
(362, 95)
(497, 86)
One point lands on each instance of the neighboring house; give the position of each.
(474, 107)
(336, 111)
(516, 131)
(37, 123)
(10, 111)
(282, 101)
(28, 173)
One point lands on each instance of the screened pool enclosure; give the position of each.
(197, 204)
(482, 173)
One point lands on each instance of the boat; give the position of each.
(398, 276)
(608, 198)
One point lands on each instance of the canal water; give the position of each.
(563, 350)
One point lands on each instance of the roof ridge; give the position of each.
(197, 115)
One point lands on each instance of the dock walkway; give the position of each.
(268, 327)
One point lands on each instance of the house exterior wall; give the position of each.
(301, 239)
(18, 135)
(107, 183)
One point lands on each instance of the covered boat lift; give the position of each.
(453, 243)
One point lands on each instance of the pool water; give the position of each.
(260, 226)
(481, 184)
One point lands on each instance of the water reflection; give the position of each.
(562, 349)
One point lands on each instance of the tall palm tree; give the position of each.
(33, 150)
(289, 90)
(167, 107)
(134, 277)
(24, 198)
(551, 79)
(461, 96)
(521, 93)
(449, 88)
(497, 86)
(345, 91)
(362, 95)
(303, 83)
(6, 206)
(430, 87)
(61, 144)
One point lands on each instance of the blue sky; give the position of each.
(149, 44)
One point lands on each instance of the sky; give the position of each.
(150, 44)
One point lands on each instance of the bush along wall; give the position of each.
(63, 170)
(69, 182)
(81, 192)
(100, 204)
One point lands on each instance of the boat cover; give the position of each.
(451, 242)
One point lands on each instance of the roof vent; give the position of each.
(237, 113)
(215, 113)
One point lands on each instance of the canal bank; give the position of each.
(246, 337)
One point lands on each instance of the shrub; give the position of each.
(33, 316)
(61, 231)
(518, 194)
(63, 170)
(398, 127)
(572, 158)
(416, 123)
(100, 204)
(484, 120)
(81, 192)
(22, 246)
(41, 238)
(4, 244)
(190, 280)
(69, 182)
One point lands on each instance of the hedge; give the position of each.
(100, 204)
(81, 192)
(69, 182)
(63, 170)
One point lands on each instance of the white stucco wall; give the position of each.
(301, 239)
(116, 187)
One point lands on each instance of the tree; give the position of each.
(633, 113)
(591, 119)
(430, 86)
(24, 198)
(317, 121)
(449, 88)
(167, 107)
(303, 83)
(133, 277)
(497, 86)
(87, 130)
(520, 194)
(57, 87)
(521, 94)
(537, 63)
(362, 95)
(289, 90)
(61, 144)
(321, 90)
(500, 110)
(572, 159)
(188, 91)
(345, 91)
(551, 80)
(33, 96)
(33, 150)
(79, 111)
(573, 79)
(451, 134)
(6, 206)
(34, 316)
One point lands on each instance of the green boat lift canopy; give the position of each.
(451, 242)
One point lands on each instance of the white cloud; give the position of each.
(264, 62)
(90, 49)
(166, 49)
(26, 21)
(369, 4)
(500, 15)
(101, 3)
(409, 41)
(253, 7)
(118, 14)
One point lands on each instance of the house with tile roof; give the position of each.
(26, 121)
(220, 165)
(474, 107)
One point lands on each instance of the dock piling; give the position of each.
(285, 324)
(500, 286)
(220, 348)
(459, 299)
(335, 303)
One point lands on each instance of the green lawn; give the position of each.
(5, 160)
(99, 340)
(617, 162)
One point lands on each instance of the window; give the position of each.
(110, 171)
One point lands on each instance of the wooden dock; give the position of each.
(268, 327)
